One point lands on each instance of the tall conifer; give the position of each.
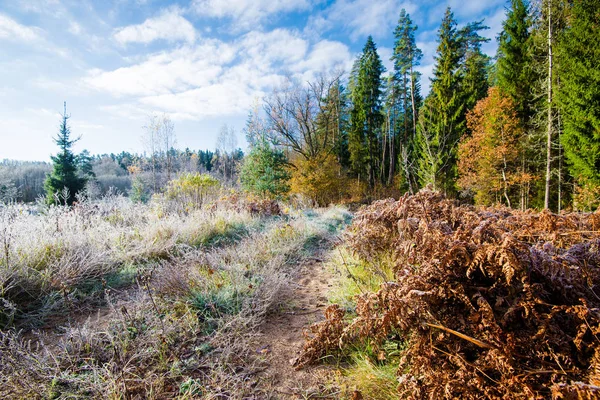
(406, 81)
(514, 60)
(366, 117)
(442, 117)
(579, 91)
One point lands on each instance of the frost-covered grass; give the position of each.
(143, 302)
(47, 258)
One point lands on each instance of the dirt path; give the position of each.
(282, 339)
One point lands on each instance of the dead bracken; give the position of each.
(491, 302)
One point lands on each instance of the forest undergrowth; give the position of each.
(118, 300)
(443, 300)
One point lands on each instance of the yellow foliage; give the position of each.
(191, 190)
(321, 179)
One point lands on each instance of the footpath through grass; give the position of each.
(135, 303)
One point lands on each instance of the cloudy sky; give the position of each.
(203, 62)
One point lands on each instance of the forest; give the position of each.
(371, 242)
(519, 129)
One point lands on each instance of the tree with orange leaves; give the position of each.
(489, 158)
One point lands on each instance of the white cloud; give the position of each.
(169, 26)
(214, 78)
(165, 72)
(75, 28)
(12, 30)
(277, 46)
(229, 97)
(360, 17)
(247, 13)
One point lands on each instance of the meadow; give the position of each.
(115, 299)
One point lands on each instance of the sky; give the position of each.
(205, 63)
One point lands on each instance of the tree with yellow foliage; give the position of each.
(489, 159)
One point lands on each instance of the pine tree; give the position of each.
(406, 82)
(579, 94)
(64, 173)
(366, 117)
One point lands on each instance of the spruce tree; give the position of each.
(475, 65)
(406, 82)
(366, 117)
(443, 123)
(264, 171)
(579, 91)
(64, 174)
(514, 65)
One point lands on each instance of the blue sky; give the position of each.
(203, 62)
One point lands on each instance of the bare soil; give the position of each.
(281, 340)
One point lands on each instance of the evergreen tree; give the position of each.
(579, 91)
(84, 165)
(64, 173)
(366, 117)
(517, 75)
(264, 171)
(406, 94)
(443, 123)
(514, 65)
(475, 65)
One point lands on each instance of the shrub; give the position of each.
(320, 178)
(190, 191)
(492, 302)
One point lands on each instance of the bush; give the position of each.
(190, 191)
(320, 178)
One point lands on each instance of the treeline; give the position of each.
(126, 173)
(522, 129)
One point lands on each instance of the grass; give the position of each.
(159, 304)
(372, 372)
(376, 381)
(354, 276)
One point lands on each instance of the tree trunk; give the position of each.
(549, 131)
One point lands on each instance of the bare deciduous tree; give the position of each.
(292, 110)
(158, 140)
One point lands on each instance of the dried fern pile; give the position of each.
(494, 303)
